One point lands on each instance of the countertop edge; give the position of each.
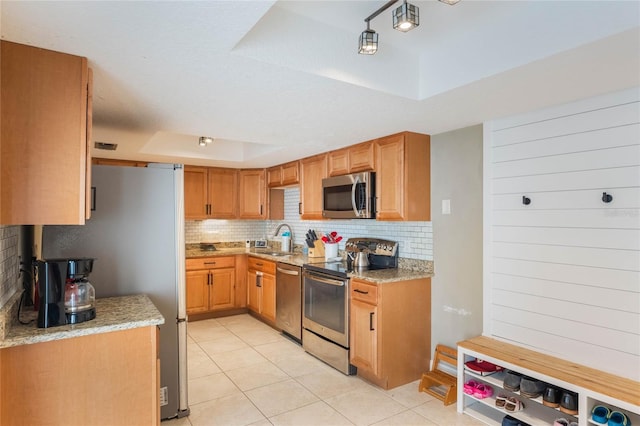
(298, 259)
(111, 315)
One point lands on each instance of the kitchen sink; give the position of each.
(276, 253)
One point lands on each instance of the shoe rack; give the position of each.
(534, 411)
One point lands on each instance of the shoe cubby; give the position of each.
(592, 387)
(533, 413)
(592, 402)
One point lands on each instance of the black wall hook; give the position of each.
(606, 198)
(526, 200)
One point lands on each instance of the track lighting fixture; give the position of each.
(368, 44)
(205, 140)
(405, 18)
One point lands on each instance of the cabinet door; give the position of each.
(252, 195)
(362, 157)
(197, 291)
(390, 182)
(222, 289)
(195, 193)
(338, 162)
(44, 136)
(364, 336)
(291, 173)
(253, 292)
(222, 193)
(313, 170)
(269, 297)
(274, 176)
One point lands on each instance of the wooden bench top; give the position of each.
(617, 387)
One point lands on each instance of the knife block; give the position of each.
(317, 250)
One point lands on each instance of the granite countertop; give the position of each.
(298, 259)
(112, 314)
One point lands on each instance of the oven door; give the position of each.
(326, 306)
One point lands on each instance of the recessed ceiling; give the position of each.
(274, 81)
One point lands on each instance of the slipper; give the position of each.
(470, 387)
(501, 400)
(513, 404)
(483, 391)
(600, 414)
(617, 418)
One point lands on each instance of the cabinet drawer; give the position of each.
(364, 292)
(211, 262)
(263, 265)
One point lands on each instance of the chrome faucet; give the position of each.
(290, 232)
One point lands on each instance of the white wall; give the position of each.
(562, 274)
(456, 291)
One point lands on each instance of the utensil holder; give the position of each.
(330, 250)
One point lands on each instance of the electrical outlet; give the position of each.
(164, 396)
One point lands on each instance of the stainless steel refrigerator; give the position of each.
(136, 235)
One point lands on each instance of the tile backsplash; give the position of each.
(415, 238)
(9, 267)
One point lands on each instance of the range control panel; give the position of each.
(372, 245)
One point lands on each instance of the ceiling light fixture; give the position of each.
(205, 140)
(405, 18)
(368, 43)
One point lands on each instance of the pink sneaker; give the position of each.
(470, 387)
(483, 391)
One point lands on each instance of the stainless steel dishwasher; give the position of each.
(289, 300)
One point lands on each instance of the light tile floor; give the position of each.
(242, 372)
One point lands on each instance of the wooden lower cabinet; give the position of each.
(390, 330)
(99, 379)
(211, 284)
(261, 288)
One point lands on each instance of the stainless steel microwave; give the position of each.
(349, 196)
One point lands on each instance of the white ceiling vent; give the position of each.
(106, 146)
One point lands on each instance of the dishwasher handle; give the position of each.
(287, 271)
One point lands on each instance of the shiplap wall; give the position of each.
(562, 274)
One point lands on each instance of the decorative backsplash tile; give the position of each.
(415, 238)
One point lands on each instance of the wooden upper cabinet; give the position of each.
(210, 193)
(338, 162)
(223, 193)
(195, 193)
(284, 175)
(252, 194)
(353, 159)
(403, 177)
(274, 176)
(362, 157)
(312, 171)
(44, 137)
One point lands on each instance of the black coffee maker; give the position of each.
(64, 293)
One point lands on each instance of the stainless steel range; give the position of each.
(325, 318)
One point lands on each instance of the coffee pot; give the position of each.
(64, 292)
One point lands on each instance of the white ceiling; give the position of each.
(274, 81)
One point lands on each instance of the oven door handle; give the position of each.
(329, 281)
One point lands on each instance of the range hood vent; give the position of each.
(106, 146)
